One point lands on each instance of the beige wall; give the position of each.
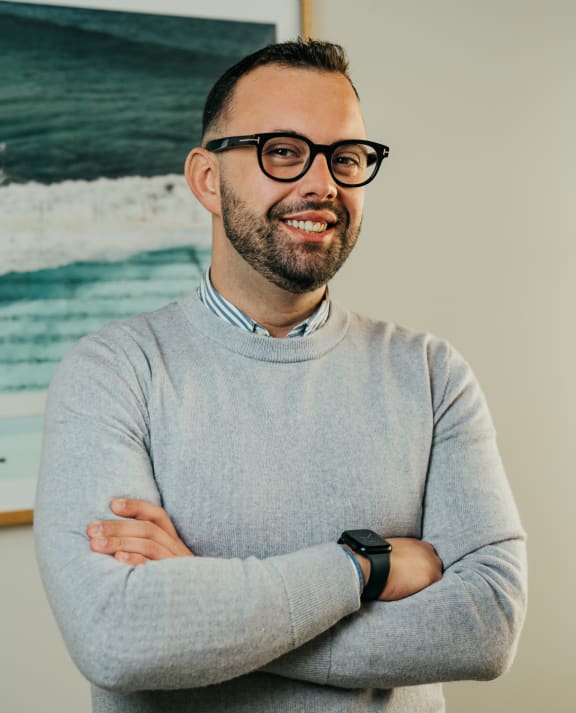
(469, 233)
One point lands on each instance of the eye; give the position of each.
(281, 151)
(349, 159)
(285, 150)
(353, 160)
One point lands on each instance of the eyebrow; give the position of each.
(291, 132)
(288, 132)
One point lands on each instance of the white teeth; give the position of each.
(308, 225)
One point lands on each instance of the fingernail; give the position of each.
(95, 528)
(100, 542)
(119, 504)
(122, 556)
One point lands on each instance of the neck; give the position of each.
(271, 306)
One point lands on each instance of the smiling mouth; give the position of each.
(307, 225)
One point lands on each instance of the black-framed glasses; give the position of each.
(287, 157)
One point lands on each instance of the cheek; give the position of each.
(254, 190)
(355, 207)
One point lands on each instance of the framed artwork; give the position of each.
(100, 101)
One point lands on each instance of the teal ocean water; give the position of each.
(91, 93)
(98, 111)
(43, 313)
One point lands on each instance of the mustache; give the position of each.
(277, 211)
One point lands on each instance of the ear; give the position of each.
(202, 176)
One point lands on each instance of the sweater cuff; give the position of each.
(318, 588)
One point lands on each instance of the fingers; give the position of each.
(120, 533)
(133, 536)
(146, 533)
(131, 559)
(149, 549)
(142, 510)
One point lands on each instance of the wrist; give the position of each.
(363, 563)
(370, 546)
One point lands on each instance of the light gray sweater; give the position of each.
(262, 451)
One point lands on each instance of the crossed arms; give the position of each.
(181, 621)
(147, 534)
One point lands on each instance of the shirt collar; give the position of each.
(221, 307)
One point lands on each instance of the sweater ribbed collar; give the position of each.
(265, 348)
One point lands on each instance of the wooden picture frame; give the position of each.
(21, 412)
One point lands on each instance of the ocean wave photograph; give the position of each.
(99, 110)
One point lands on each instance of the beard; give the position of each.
(294, 266)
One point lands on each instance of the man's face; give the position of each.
(296, 235)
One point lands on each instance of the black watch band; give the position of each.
(379, 570)
(377, 550)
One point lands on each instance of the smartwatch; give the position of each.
(377, 550)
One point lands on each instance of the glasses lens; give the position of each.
(285, 157)
(354, 163)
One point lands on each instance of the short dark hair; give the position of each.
(302, 53)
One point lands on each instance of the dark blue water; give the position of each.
(90, 93)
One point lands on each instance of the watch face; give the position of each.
(366, 541)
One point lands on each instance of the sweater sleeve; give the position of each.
(177, 623)
(467, 625)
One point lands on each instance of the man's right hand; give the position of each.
(146, 533)
(414, 565)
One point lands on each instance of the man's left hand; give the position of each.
(147, 534)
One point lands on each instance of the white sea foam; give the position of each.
(44, 226)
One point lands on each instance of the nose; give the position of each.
(318, 181)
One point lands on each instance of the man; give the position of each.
(256, 442)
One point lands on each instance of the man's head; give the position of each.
(293, 226)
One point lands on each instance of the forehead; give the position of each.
(320, 105)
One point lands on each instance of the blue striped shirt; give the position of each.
(211, 298)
